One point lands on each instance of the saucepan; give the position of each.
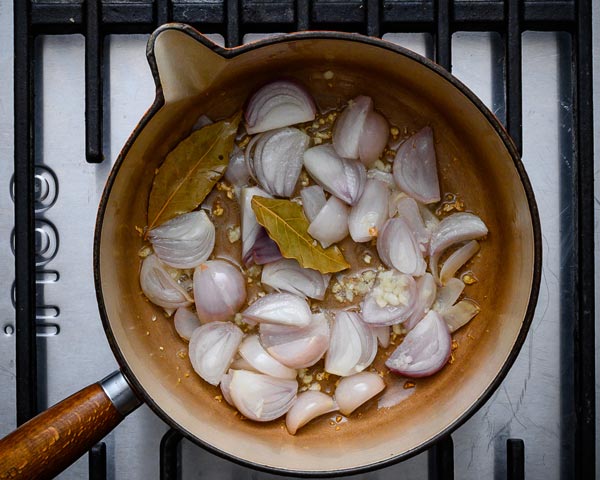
(475, 156)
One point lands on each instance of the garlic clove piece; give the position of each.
(308, 406)
(355, 390)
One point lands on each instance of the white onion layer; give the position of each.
(250, 226)
(219, 290)
(313, 200)
(352, 346)
(448, 294)
(237, 172)
(457, 259)
(287, 275)
(408, 210)
(348, 128)
(211, 349)
(373, 138)
(460, 314)
(158, 285)
(184, 241)
(308, 406)
(426, 293)
(355, 390)
(260, 397)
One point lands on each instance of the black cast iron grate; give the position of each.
(232, 19)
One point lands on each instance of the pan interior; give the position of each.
(472, 160)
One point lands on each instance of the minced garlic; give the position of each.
(391, 289)
(233, 233)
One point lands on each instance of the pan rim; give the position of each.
(229, 53)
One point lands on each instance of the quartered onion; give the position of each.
(415, 169)
(308, 406)
(279, 309)
(455, 228)
(356, 389)
(297, 347)
(275, 159)
(219, 290)
(391, 300)
(458, 258)
(287, 275)
(339, 176)
(279, 104)
(313, 200)
(408, 210)
(237, 172)
(211, 350)
(360, 132)
(261, 397)
(448, 294)
(424, 350)
(251, 229)
(253, 352)
(370, 213)
(398, 249)
(352, 346)
(185, 322)
(460, 314)
(184, 241)
(160, 288)
(331, 223)
(426, 293)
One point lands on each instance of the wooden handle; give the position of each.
(50, 442)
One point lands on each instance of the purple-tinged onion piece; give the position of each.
(279, 309)
(308, 406)
(426, 292)
(397, 248)
(415, 169)
(158, 285)
(370, 213)
(424, 350)
(185, 322)
(279, 104)
(331, 223)
(253, 352)
(287, 275)
(313, 200)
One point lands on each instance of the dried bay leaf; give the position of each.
(191, 170)
(288, 227)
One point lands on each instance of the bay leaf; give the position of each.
(288, 227)
(191, 170)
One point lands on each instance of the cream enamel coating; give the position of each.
(473, 160)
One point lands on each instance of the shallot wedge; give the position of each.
(391, 300)
(448, 294)
(426, 292)
(253, 352)
(313, 200)
(184, 241)
(331, 223)
(374, 138)
(279, 104)
(212, 348)
(383, 335)
(339, 176)
(160, 288)
(287, 275)
(185, 322)
(352, 347)
(219, 290)
(458, 258)
(225, 382)
(398, 248)
(408, 210)
(370, 213)
(355, 390)
(237, 172)
(260, 397)
(279, 309)
(455, 228)
(415, 169)
(460, 314)
(297, 347)
(250, 227)
(424, 350)
(274, 159)
(308, 406)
